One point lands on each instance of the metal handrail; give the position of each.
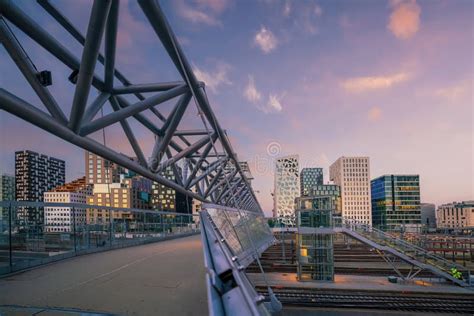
(406, 244)
(83, 205)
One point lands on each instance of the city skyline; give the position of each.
(388, 102)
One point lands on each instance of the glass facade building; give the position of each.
(309, 178)
(315, 238)
(331, 190)
(396, 202)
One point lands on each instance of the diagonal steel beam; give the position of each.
(208, 171)
(129, 133)
(187, 151)
(214, 181)
(21, 59)
(161, 27)
(222, 183)
(30, 113)
(149, 87)
(172, 123)
(95, 30)
(43, 38)
(176, 173)
(95, 107)
(74, 32)
(198, 165)
(131, 110)
(230, 186)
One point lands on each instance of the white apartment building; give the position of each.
(60, 219)
(352, 174)
(286, 187)
(455, 215)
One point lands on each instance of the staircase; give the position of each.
(408, 252)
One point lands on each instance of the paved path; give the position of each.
(163, 278)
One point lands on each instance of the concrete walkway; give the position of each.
(163, 278)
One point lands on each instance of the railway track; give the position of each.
(384, 301)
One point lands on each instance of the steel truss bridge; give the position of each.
(233, 228)
(212, 174)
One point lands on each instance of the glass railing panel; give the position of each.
(244, 232)
(44, 232)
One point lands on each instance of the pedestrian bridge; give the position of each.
(120, 269)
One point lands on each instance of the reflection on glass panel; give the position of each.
(244, 232)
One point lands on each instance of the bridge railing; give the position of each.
(35, 233)
(420, 254)
(232, 239)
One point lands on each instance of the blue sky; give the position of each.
(392, 80)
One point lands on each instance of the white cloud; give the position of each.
(195, 14)
(404, 21)
(374, 114)
(214, 79)
(363, 84)
(251, 93)
(274, 103)
(265, 40)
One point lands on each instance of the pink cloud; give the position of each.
(364, 84)
(404, 21)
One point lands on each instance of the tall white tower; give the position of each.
(352, 174)
(286, 187)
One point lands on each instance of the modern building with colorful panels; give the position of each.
(396, 202)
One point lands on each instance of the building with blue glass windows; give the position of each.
(310, 178)
(396, 202)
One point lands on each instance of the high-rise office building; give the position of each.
(115, 186)
(59, 219)
(162, 197)
(100, 170)
(352, 174)
(286, 187)
(131, 191)
(35, 174)
(7, 193)
(309, 178)
(328, 190)
(396, 203)
(456, 215)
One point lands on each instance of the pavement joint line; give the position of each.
(112, 271)
(168, 249)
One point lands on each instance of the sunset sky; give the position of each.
(392, 80)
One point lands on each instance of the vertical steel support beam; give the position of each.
(95, 30)
(110, 45)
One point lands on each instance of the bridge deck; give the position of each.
(162, 278)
